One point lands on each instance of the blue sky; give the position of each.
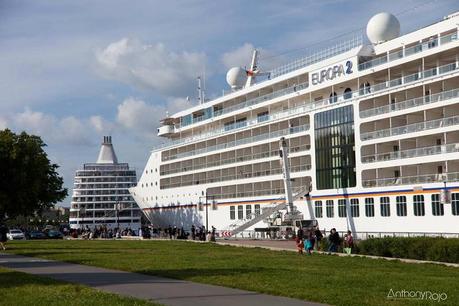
(73, 71)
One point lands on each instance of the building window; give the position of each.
(330, 210)
(437, 206)
(369, 207)
(257, 209)
(401, 206)
(335, 141)
(342, 213)
(355, 212)
(232, 213)
(455, 204)
(418, 205)
(240, 212)
(385, 206)
(318, 209)
(248, 211)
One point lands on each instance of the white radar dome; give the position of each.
(236, 77)
(383, 27)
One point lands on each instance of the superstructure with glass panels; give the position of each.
(101, 193)
(372, 128)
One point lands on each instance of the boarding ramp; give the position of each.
(255, 217)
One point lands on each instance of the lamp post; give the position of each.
(207, 197)
(117, 208)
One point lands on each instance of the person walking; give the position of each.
(3, 237)
(348, 243)
(310, 241)
(299, 245)
(319, 237)
(193, 232)
(334, 240)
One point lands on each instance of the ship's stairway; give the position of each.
(266, 212)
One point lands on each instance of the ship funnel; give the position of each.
(107, 153)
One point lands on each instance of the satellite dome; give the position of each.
(383, 27)
(236, 77)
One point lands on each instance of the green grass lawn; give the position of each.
(18, 289)
(321, 278)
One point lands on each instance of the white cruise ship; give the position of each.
(372, 130)
(100, 193)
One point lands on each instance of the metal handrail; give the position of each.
(423, 100)
(424, 151)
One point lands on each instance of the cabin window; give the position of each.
(418, 205)
(257, 209)
(232, 213)
(342, 213)
(330, 211)
(318, 209)
(385, 206)
(248, 211)
(355, 212)
(240, 212)
(369, 207)
(437, 206)
(401, 206)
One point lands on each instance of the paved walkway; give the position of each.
(289, 245)
(158, 289)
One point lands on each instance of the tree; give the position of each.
(28, 180)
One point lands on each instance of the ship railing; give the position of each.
(236, 159)
(409, 79)
(264, 136)
(411, 128)
(239, 176)
(415, 179)
(433, 43)
(241, 106)
(339, 48)
(309, 106)
(423, 100)
(424, 151)
(245, 194)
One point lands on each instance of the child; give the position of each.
(299, 245)
(310, 241)
(348, 242)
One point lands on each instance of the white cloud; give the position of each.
(242, 56)
(135, 114)
(239, 57)
(151, 67)
(101, 125)
(67, 130)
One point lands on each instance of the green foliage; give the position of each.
(422, 248)
(29, 182)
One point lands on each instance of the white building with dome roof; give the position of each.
(100, 194)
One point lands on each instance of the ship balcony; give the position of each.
(411, 103)
(432, 119)
(246, 140)
(241, 173)
(266, 189)
(425, 45)
(436, 172)
(418, 152)
(210, 162)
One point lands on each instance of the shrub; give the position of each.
(422, 248)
